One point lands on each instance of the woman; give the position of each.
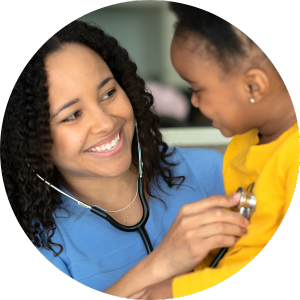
(71, 119)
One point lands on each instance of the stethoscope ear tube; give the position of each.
(141, 229)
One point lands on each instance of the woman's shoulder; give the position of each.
(203, 164)
(195, 155)
(201, 167)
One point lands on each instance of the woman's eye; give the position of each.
(109, 94)
(73, 116)
(76, 114)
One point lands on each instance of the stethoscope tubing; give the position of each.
(140, 226)
(218, 257)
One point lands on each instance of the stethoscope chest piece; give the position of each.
(245, 207)
(247, 202)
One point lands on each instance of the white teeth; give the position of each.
(113, 143)
(107, 147)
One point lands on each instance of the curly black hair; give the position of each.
(26, 137)
(229, 44)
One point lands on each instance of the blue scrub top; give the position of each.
(97, 254)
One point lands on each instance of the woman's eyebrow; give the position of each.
(70, 103)
(66, 105)
(104, 82)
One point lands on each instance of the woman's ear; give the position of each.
(258, 84)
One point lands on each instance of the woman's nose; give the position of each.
(101, 121)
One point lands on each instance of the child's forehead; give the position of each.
(194, 43)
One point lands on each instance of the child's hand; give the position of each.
(199, 228)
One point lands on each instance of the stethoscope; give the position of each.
(140, 226)
(245, 207)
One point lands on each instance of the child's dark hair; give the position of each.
(26, 137)
(224, 41)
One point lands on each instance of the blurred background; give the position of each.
(145, 30)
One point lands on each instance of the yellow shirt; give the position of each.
(274, 169)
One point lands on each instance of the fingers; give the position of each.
(218, 215)
(221, 229)
(219, 241)
(213, 235)
(213, 201)
(200, 249)
(213, 216)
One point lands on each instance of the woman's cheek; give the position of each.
(65, 144)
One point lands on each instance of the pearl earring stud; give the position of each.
(252, 100)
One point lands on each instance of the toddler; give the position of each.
(236, 85)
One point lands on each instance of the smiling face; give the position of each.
(91, 117)
(223, 98)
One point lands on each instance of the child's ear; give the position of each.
(258, 84)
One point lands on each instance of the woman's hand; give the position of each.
(162, 290)
(199, 228)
